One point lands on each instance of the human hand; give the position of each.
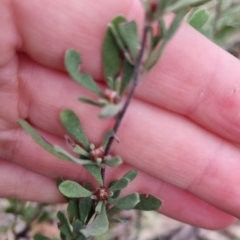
(181, 129)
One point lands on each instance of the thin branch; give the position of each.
(135, 81)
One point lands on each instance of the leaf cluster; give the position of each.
(218, 20)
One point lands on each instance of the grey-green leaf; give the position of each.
(73, 126)
(127, 202)
(100, 225)
(91, 101)
(64, 226)
(115, 193)
(129, 35)
(85, 205)
(73, 190)
(72, 210)
(95, 172)
(131, 175)
(148, 203)
(113, 162)
(99, 207)
(128, 70)
(110, 110)
(114, 27)
(40, 140)
(72, 62)
(174, 25)
(199, 19)
(182, 4)
(156, 55)
(112, 61)
(119, 184)
(60, 150)
(79, 150)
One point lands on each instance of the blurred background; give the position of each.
(218, 20)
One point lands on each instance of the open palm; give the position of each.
(180, 131)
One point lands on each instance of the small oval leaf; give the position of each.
(131, 175)
(73, 190)
(129, 35)
(110, 110)
(113, 162)
(73, 126)
(126, 203)
(119, 184)
(148, 203)
(72, 62)
(199, 19)
(95, 172)
(99, 225)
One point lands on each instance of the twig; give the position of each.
(135, 81)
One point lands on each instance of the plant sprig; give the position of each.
(126, 59)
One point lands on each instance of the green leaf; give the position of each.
(148, 203)
(106, 138)
(73, 190)
(95, 172)
(87, 185)
(114, 27)
(110, 110)
(77, 226)
(91, 101)
(174, 25)
(199, 19)
(115, 193)
(72, 210)
(126, 203)
(99, 207)
(72, 62)
(128, 70)
(40, 140)
(72, 158)
(79, 150)
(64, 225)
(112, 61)
(40, 237)
(119, 184)
(182, 4)
(131, 175)
(156, 55)
(73, 126)
(129, 35)
(113, 162)
(100, 225)
(85, 205)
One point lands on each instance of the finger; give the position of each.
(198, 165)
(199, 80)
(18, 183)
(26, 185)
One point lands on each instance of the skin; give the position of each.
(181, 130)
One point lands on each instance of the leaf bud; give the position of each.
(112, 96)
(97, 153)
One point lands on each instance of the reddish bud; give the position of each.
(112, 96)
(101, 194)
(96, 153)
(153, 6)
